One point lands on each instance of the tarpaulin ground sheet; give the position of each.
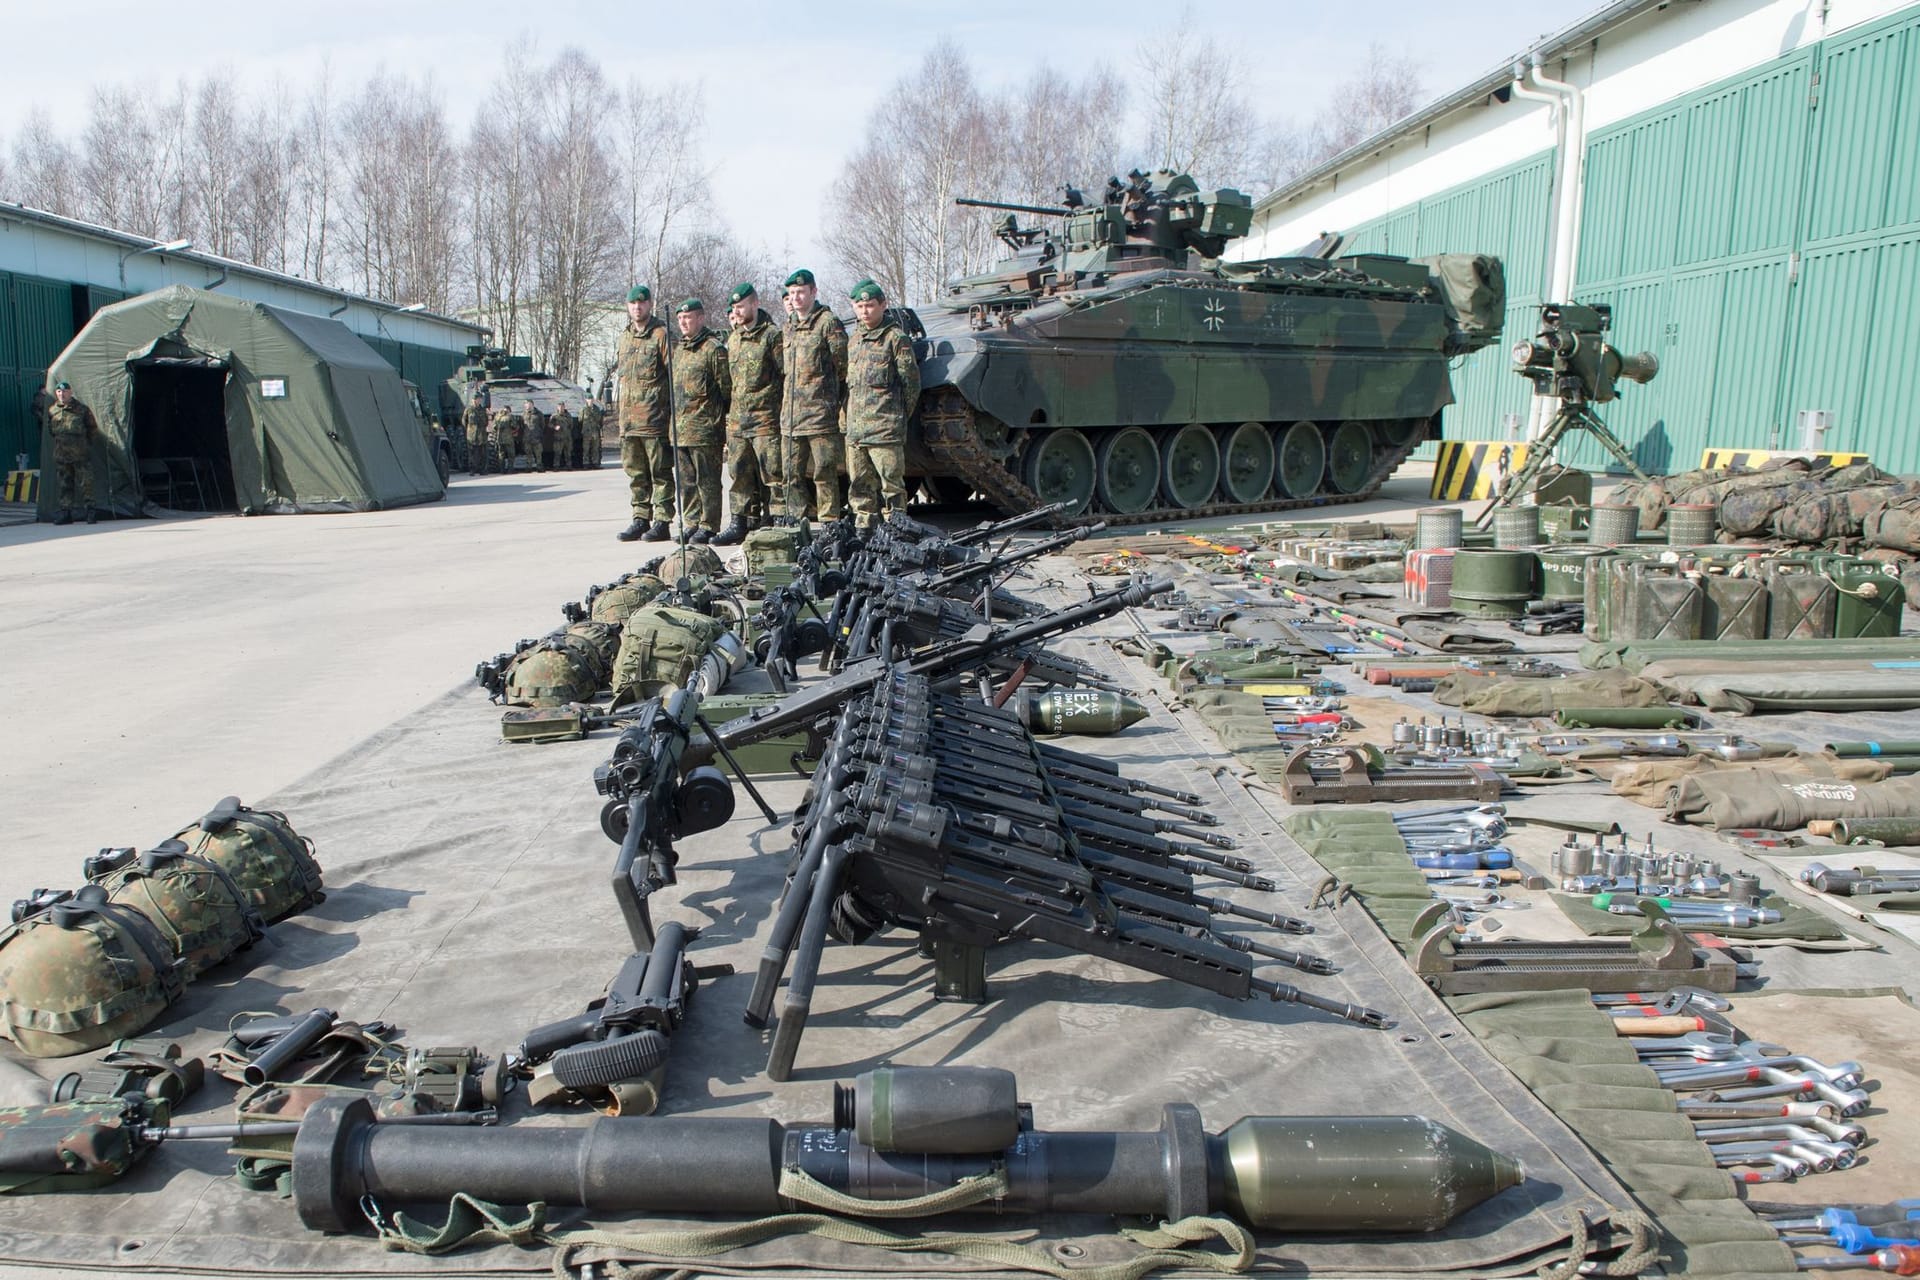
(468, 901)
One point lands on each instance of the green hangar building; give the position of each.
(55, 272)
(1739, 180)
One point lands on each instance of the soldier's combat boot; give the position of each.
(733, 533)
(632, 532)
(658, 531)
(65, 517)
(700, 537)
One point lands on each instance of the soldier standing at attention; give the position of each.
(72, 426)
(505, 427)
(883, 386)
(646, 412)
(591, 441)
(475, 419)
(753, 419)
(538, 437)
(702, 390)
(566, 438)
(813, 391)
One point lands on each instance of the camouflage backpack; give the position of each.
(692, 561)
(772, 545)
(1821, 515)
(259, 849)
(558, 670)
(1895, 526)
(72, 1146)
(81, 972)
(204, 914)
(660, 646)
(613, 603)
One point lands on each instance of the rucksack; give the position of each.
(659, 648)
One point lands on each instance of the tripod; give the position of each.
(1573, 415)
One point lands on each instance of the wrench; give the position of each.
(1673, 1001)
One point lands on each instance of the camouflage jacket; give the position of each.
(505, 422)
(753, 365)
(645, 362)
(883, 385)
(563, 423)
(536, 422)
(701, 390)
(590, 418)
(814, 364)
(475, 418)
(70, 421)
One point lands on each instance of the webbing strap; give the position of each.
(470, 1220)
(803, 1188)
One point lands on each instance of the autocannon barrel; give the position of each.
(1038, 210)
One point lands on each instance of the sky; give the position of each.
(788, 86)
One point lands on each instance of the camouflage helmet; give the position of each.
(260, 851)
(613, 604)
(82, 973)
(203, 914)
(551, 674)
(602, 639)
(691, 561)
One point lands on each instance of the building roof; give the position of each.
(1545, 49)
(126, 239)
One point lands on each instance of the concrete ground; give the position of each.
(154, 666)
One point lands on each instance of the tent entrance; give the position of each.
(180, 434)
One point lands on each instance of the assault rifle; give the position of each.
(946, 661)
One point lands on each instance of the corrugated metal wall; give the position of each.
(1761, 236)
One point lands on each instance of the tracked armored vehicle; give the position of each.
(1114, 362)
(507, 380)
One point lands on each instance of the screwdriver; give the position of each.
(1872, 1215)
(1856, 1238)
(1899, 1259)
(1480, 860)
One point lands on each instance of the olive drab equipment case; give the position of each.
(79, 971)
(260, 851)
(660, 646)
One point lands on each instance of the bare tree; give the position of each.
(397, 213)
(578, 230)
(501, 178)
(214, 163)
(134, 161)
(664, 168)
(1385, 88)
(45, 171)
(1197, 104)
(263, 199)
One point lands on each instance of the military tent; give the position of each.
(208, 402)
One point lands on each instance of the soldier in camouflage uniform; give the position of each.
(566, 438)
(506, 426)
(538, 437)
(813, 393)
(753, 420)
(475, 420)
(646, 412)
(702, 390)
(73, 428)
(883, 386)
(592, 441)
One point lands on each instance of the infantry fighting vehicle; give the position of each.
(1115, 363)
(504, 380)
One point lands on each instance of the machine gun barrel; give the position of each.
(1038, 210)
(1012, 524)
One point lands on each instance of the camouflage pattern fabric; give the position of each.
(592, 434)
(550, 674)
(643, 362)
(702, 390)
(812, 466)
(877, 476)
(690, 562)
(623, 597)
(649, 480)
(82, 974)
(748, 494)
(204, 916)
(69, 1146)
(659, 648)
(754, 369)
(1818, 516)
(506, 430)
(700, 486)
(538, 438)
(883, 385)
(72, 428)
(262, 853)
(475, 421)
(1895, 527)
(565, 430)
(814, 373)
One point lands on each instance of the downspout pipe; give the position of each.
(1573, 164)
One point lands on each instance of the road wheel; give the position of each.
(1129, 471)
(1302, 459)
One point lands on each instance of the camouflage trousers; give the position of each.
(72, 476)
(812, 467)
(591, 447)
(503, 449)
(540, 448)
(566, 447)
(753, 471)
(877, 478)
(650, 483)
(477, 451)
(700, 486)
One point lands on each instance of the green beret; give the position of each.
(802, 276)
(741, 292)
(63, 385)
(691, 304)
(866, 290)
(639, 293)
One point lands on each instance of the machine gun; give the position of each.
(940, 815)
(810, 708)
(892, 620)
(785, 635)
(651, 802)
